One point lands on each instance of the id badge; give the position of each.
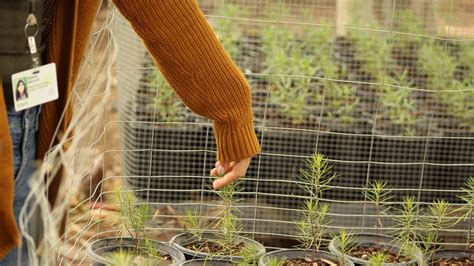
(34, 86)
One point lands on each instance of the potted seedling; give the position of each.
(455, 93)
(248, 258)
(341, 103)
(220, 238)
(136, 248)
(467, 59)
(376, 247)
(160, 119)
(406, 231)
(315, 179)
(290, 68)
(437, 217)
(443, 217)
(468, 199)
(165, 104)
(398, 106)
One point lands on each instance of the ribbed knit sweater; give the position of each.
(191, 58)
(187, 52)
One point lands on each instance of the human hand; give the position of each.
(229, 172)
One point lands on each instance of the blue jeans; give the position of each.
(23, 126)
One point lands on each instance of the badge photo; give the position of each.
(21, 92)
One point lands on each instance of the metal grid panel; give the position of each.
(363, 98)
(384, 89)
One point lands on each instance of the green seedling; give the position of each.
(346, 243)
(227, 224)
(468, 208)
(378, 259)
(374, 51)
(228, 30)
(121, 258)
(167, 106)
(249, 256)
(193, 225)
(437, 64)
(379, 194)
(439, 216)
(342, 102)
(466, 58)
(277, 261)
(315, 179)
(398, 103)
(460, 102)
(133, 217)
(406, 225)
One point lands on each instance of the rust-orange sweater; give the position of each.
(184, 48)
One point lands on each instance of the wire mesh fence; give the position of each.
(378, 100)
(384, 89)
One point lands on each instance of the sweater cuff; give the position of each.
(237, 143)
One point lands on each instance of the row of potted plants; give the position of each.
(305, 76)
(349, 83)
(217, 240)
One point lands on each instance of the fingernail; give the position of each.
(220, 171)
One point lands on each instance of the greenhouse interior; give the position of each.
(364, 112)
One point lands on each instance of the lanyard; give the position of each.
(31, 30)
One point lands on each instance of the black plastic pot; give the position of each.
(371, 240)
(181, 240)
(209, 262)
(154, 169)
(449, 254)
(299, 253)
(100, 249)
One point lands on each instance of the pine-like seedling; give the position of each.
(346, 243)
(439, 216)
(468, 208)
(133, 218)
(379, 194)
(193, 225)
(315, 179)
(378, 259)
(406, 225)
(228, 223)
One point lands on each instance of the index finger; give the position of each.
(225, 180)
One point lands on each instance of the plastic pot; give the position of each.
(181, 240)
(448, 254)
(371, 240)
(100, 250)
(300, 253)
(209, 262)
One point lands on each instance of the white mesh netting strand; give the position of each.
(78, 149)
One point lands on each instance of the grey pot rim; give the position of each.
(415, 259)
(262, 261)
(197, 254)
(208, 260)
(91, 252)
(444, 253)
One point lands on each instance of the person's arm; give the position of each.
(189, 55)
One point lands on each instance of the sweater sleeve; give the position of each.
(189, 55)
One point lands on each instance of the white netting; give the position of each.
(84, 140)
